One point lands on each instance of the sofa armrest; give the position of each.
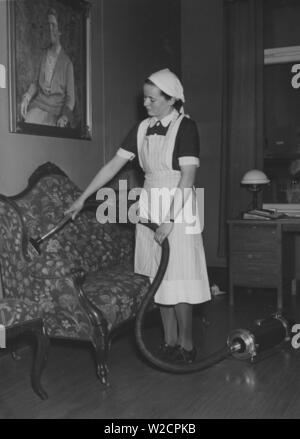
(61, 306)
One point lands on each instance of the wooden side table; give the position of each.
(260, 256)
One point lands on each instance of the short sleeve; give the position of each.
(187, 148)
(128, 148)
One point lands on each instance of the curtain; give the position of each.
(242, 118)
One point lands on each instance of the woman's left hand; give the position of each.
(163, 231)
(62, 122)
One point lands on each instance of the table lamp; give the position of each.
(254, 180)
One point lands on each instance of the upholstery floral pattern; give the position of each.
(63, 314)
(13, 260)
(44, 206)
(45, 282)
(16, 311)
(117, 292)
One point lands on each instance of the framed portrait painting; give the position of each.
(50, 67)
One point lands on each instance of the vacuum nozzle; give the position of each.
(35, 242)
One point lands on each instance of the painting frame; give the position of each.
(77, 21)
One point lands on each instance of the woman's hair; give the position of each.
(52, 11)
(178, 102)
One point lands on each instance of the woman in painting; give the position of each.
(50, 99)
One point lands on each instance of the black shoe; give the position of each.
(167, 352)
(185, 356)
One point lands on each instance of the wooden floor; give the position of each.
(229, 389)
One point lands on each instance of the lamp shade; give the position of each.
(255, 176)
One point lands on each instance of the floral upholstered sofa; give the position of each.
(82, 280)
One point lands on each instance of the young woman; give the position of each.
(167, 146)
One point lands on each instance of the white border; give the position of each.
(281, 55)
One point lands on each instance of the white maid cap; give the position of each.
(168, 82)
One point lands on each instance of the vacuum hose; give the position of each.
(147, 300)
(241, 343)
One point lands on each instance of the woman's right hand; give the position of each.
(24, 105)
(75, 208)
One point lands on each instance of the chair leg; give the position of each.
(101, 345)
(40, 360)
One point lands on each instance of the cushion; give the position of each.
(117, 292)
(17, 311)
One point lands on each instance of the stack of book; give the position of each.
(263, 214)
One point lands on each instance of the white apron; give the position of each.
(186, 277)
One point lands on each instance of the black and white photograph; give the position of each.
(150, 213)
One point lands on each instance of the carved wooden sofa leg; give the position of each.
(36, 328)
(101, 338)
(101, 345)
(41, 356)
